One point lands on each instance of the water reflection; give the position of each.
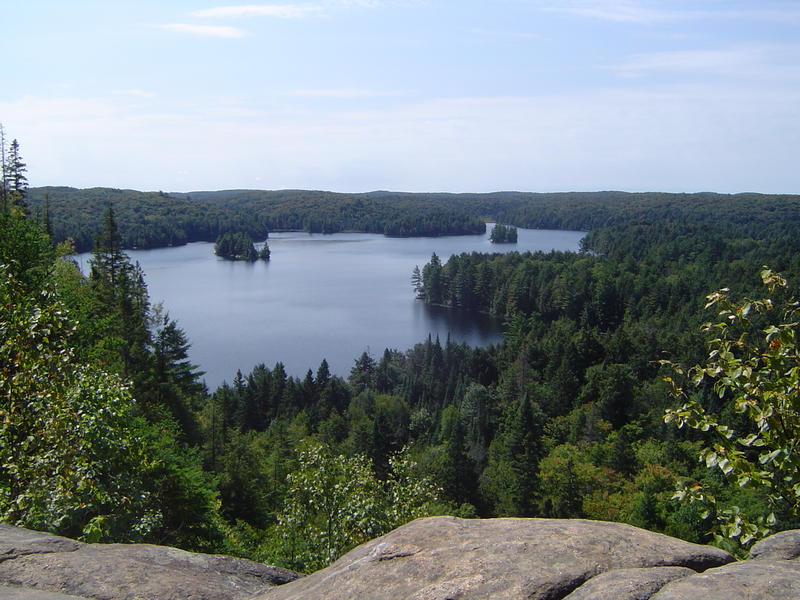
(474, 329)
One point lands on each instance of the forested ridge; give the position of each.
(565, 418)
(145, 219)
(157, 219)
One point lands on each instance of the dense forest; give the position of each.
(565, 418)
(158, 219)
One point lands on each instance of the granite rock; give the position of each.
(443, 558)
(47, 563)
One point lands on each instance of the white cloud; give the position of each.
(283, 11)
(221, 31)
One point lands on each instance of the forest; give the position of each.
(159, 219)
(573, 415)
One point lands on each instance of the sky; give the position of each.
(405, 95)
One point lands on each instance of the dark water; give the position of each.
(321, 296)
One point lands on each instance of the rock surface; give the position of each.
(628, 584)
(42, 563)
(19, 593)
(748, 580)
(439, 558)
(442, 558)
(781, 546)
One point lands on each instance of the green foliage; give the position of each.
(70, 461)
(13, 182)
(146, 219)
(25, 251)
(237, 246)
(753, 366)
(334, 503)
(511, 478)
(568, 476)
(300, 469)
(503, 234)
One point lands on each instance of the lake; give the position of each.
(321, 296)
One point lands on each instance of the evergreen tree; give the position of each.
(323, 374)
(362, 375)
(120, 304)
(416, 281)
(239, 246)
(503, 234)
(18, 182)
(510, 480)
(433, 284)
(175, 381)
(4, 206)
(13, 182)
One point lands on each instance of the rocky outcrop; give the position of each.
(444, 558)
(747, 580)
(439, 558)
(784, 545)
(628, 584)
(40, 566)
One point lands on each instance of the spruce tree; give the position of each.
(16, 177)
(13, 183)
(3, 172)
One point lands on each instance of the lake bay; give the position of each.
(321, 296)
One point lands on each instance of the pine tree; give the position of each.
(416, 281)
(510, 479)
(121, 303)
(18, 181)
(3, 172)
(362, 375)
(13, 183)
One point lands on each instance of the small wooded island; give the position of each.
(503, 234)
(239, 246)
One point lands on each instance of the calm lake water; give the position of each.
(321, 296)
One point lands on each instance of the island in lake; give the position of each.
(239, 246)
(503, 234)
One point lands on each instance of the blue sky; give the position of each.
(413, 95)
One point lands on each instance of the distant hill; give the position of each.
(157, 219)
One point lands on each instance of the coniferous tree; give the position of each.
(17, 181)
(174, 382)
(3, 172)
(362, 375)
(510, 479)
(433, 281)
(121, 303)
(416, 281)
(13, 182)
